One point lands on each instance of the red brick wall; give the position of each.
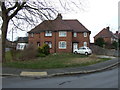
(34, 39)
(81, 39)
(68, 39)
(107, 39)
(55, 40)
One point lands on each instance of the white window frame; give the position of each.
(48, 33)
(21, 46)
(62, 34)
(85, 44)
(49, 44)
(85, 34)
(75, 34)
(31, 35)
(62, 45)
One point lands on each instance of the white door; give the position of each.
(75, 46)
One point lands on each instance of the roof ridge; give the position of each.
(104, 30)
(59, 24)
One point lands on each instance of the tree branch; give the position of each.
(11, 8)
(36, 8)
(19, 7)
(16, 25)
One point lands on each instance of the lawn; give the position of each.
(55, 61)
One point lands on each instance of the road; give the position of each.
(106, 79)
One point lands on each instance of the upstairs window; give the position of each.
(85, 34)
(48, 33)
(49, 44)
(75, 34)
(31, 35)
(62, 33)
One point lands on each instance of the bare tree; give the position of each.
(19, 12)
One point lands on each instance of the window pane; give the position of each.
(62, 34)
(48, 33)
(62, 45)
(49, 44)
(85, 43)
(85, 34)
(38, 44)
(31, 35)
(75, 34)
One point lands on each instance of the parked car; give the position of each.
(83, 50)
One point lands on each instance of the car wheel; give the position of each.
(75, 52)
(86, 53)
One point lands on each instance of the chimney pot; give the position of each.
(117, 32)
(108, 28)
(59, 16)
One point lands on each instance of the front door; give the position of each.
(75, 46)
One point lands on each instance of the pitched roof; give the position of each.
(105, 32)
(76, 26)
(58, 24)
(117, 34)
(22, 40)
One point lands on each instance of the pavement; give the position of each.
(61, 71)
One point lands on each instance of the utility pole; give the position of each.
(12, 36)
(0, 9)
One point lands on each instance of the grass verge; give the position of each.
(56, 61)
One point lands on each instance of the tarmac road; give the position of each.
(105, 79)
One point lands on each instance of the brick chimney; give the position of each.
(108, 28)
(59, 16)
(116, 32)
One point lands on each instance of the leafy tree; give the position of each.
(119, 44)
(100, 42)
(21, 13)
(115, 45)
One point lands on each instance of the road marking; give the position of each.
(32, 74)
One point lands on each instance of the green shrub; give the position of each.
(40, 50)
(43, 51)
(100, 42)
(115, 45)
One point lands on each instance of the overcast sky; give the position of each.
(97, 14)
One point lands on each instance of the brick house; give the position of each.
(22, 43)
(61, 35)
(107, 35)
(117, 34)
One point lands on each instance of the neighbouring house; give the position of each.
(117, 34)
(107, 35)
(22, 43)
(61, 35)
(10, 45)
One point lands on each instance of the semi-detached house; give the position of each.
(107, 35)
(61, 35)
